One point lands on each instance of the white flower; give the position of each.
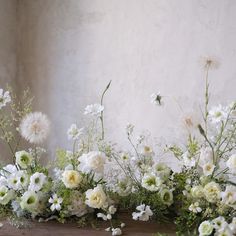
(37, 180)
(112, 210)
(147, 151)
(197, 191)
(166, 196)
(92, 161)
(144, 213)
(23, 159)
(122, 225)
(156, 99)
(30, 201)
(194, 207)
(94, 110)
(206, 156)
(219, 223)
(34, 127)
(231, 163)
(71, 178)
(151, 182)
(162, 170)
(4, 98)
(18, 180)
(96, 198)
(101, 215)
(188, 161)
(116, 231)
(232, 225)
(212, 192)
(74, 133)
(225, 232)
(208, 169)
(6, 195)
(205, 228)
(218, 114)
(8, 169)
(56, 202)
(229, 195)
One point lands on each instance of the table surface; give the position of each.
(133, 228)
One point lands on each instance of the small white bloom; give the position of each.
(116, 231)
(92, 161)
(218, 114)
(194, 207)
(103, 216)
(74, 132)
(208, 169)
(109, 217)
(188, 161)
(166, 196)
(37, 180)
(94, 110)
(147, 151)
(144, 213)
(112, 210)
(71, 178)
(35, 127)
(56, 202)
(229, 195)
(156, 99)
(108, 229)
(212, 192)
(30, 201)
(4, 98)
(205, 228)
(206, 156)
(96, 198)
(231, 163)
(219, 223)
(151, 182)
(6, 195)
(18, 180)
(122, 225)
(23, 159)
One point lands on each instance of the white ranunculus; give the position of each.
(206, 156)
(231, 163)
(208, 168)
(30, 201)
(151, 182)
(212, 192)
(205, 228)
(92, 161)
(6, 195)
(71, 178)
(23, 159)
(229, 196)
(197, 191)
(37, 180)
(96, 198)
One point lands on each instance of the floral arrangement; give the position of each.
(94, 180)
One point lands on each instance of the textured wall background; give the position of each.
(7, 51)
(68, 51)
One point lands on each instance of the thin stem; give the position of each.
(102, 113)
(206, 97)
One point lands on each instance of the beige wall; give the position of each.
(7, 51)
(68, 50)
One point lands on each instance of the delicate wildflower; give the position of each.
(74, 133)
(194, 207)
(144, 213)
(56, 202)
(4, 98)
(94, 110)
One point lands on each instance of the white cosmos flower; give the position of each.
(218, 114)
(116, 231)
(71, 178)
(37, 180)
(151, 182)
(208, 169)
(6, 195)
(56, 202)
(96, 198)
(18, 180)
(219, 223)
(229, 195)
(231, 163)
(30, 201)
(23, 159)
(4, 98)
(94, 110)
(206, 156)
(205, 228)
(144, 213)
(194, 207)
(92, 161)
(74, 132)
(35, 127)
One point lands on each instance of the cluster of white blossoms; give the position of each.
(4, 98)
(218, 226)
